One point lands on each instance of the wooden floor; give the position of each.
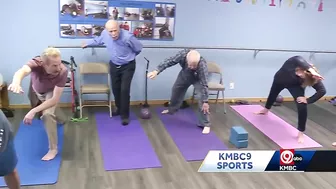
(82, 166)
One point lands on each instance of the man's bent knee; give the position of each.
(47, 116)
(50, 110)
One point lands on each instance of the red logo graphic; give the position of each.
(286, 157)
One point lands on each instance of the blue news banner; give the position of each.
(285, 160)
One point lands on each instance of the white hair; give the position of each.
(193, 57)
(50, 53)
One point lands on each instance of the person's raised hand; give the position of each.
(15, 88)
(28, 119)
(84, 45)
(206, 108)
(152, 74)
(315, 74)
(301, 99)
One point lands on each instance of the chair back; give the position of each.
(93, 68)
(214, 68)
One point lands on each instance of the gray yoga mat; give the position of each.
(317, 114)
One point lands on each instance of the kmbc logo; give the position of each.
(288, 159)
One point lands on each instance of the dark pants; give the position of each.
(121, 79)
(183, 81)
(296, 91)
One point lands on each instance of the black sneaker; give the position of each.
(125, 121)
(116, 113)
(200, 126)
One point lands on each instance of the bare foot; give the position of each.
(300, 137)
(50, 155)
(206, 130)
(334, 144)
(165, 112)
(262, 112)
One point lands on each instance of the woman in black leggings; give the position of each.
(295, 75)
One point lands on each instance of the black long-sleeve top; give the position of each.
(286, 76)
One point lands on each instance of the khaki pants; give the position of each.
(49, 116)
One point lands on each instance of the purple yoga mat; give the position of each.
(124, 147)
(182, 127)
(275, 128)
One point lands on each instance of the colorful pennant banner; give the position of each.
(303, 4)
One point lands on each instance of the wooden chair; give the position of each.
(214, 68)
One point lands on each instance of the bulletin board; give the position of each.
(146, 20)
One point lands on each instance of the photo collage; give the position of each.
(146, 20)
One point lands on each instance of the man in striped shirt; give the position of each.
(194, 72)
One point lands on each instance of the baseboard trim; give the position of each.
(161, 102)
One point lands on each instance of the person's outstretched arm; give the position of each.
(171, 61)
(21, 73)
(96, 41)
(320, 92)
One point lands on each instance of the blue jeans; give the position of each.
(8, 159)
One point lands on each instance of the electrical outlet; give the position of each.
(231, 85)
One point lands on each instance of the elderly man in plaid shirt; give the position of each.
(194, 72)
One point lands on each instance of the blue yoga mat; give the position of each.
(31, 145)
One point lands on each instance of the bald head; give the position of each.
(193, 58)
(111, 23)
(113, 29)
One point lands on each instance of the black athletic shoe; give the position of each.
(116, 113)
(125, 121)
(200, 126)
